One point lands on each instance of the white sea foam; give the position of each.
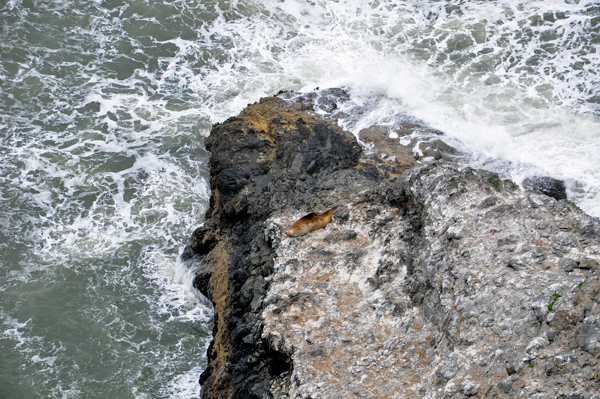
(103, 180)
(178, 294)
(48, 360)
(185, 385)
(499, 76)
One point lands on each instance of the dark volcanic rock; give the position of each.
(433, 280)
(548, 186)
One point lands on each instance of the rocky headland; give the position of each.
(434, 280)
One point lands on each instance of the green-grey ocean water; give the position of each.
(104, 106)
(102, 181)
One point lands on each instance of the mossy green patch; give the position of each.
(496, 182)
(551, 304)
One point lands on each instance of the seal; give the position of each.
(310, 222)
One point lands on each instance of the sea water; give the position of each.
(104, 106)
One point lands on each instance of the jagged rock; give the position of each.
(433, 280)
(546, 185)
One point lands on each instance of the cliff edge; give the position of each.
(433, 280)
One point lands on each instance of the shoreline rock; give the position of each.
(546, 185)
(433, 280)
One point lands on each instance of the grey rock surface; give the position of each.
(448, 298)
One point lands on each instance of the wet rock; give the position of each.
(547, 185)
(437, 149)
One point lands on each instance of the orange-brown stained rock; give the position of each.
(219, 290)
(310, 222)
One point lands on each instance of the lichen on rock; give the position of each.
(433, 280)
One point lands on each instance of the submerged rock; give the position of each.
(433, 279)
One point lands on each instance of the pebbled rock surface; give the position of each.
(434, 280)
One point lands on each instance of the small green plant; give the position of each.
(496, 182)
(530, 364)
(580, 284)
(551, 304)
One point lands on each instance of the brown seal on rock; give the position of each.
(310, 222)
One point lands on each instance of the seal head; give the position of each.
(310, 222)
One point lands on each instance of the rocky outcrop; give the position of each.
(433, 280)
(546, 185)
